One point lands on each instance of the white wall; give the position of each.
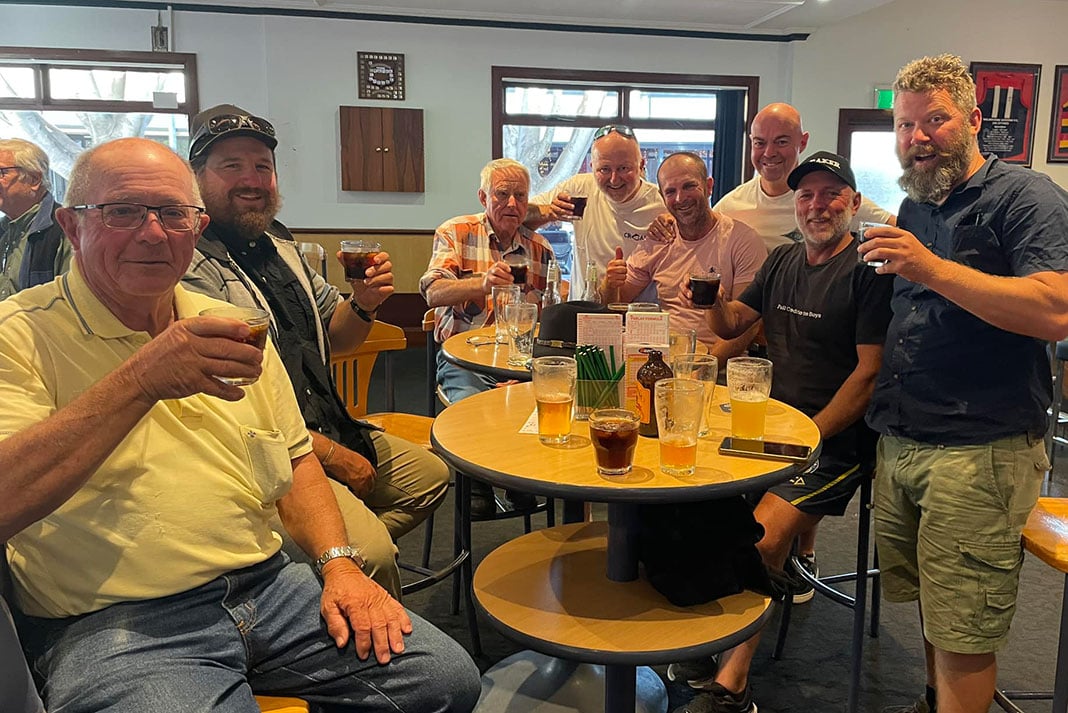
(298, 71)
(839, 66)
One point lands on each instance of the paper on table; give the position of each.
(531, 425)
(648, 328)
(601, 330)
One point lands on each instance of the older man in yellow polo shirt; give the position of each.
(140, 487)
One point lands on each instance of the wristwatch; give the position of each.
(334, 553)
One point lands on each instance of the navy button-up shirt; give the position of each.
(948, 377)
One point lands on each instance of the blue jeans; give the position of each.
(17, 692)
(256, 629)
(459, 383)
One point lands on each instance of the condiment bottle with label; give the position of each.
(650, 372)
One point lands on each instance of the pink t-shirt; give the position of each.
(733, 249)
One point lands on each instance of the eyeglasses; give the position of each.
(621, 129)
(4, 170)
(131, 216)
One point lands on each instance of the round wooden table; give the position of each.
(477, 350)
(546, 589)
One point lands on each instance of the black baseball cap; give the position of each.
(226, 121)
(823, 161)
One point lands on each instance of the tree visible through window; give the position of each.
(68, 100)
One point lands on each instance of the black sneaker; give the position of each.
(520, 501)
(699, 673)
(483, 504)
(804, 592)
(719, 700)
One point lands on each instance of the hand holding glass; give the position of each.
(864, 225)
(554, 391)
(749, 382)
(521, 318)
(258, 322)
(357, 256)
(679, 406)
(519, 265)
(503, 295)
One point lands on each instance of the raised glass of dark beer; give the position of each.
(705, 288)
(357, 256)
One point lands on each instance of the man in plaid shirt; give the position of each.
(468, 261)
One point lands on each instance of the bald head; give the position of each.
(777, 140)
(618, 165)
(92, 167)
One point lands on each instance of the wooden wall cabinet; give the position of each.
(381, 149)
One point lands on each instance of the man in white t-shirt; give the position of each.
(620, 206)
(765, 202)
(706, 241)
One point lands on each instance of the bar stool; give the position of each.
(1057, 417)
(1046, 536)
(857, 602)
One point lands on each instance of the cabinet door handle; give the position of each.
(386, 149)
(378, 149)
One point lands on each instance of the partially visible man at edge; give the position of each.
(140, 487)
(384, 485)
(981, 259)
(32, 247)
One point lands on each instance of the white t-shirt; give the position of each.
(773, 217)
(605, 225)
(732, 248)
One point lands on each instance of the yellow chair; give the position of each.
(270, 704)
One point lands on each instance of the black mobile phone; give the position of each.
(749, 448)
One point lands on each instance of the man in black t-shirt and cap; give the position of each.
(384, 485)
(825, 316)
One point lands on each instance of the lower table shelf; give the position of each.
(548, 591)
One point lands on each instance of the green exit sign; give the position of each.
(884, 98)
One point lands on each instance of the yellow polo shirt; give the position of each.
(185, 497)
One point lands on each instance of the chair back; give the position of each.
(352, 370)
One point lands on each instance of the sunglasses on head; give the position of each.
(621, 129)
(232, 122)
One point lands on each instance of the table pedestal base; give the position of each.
(532, 682)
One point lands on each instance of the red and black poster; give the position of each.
(1058, 125)
(1007, 95)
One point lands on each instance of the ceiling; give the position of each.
(774, 17)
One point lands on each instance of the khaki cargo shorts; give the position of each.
(947, 524)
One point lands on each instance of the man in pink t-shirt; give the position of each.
(707, 241)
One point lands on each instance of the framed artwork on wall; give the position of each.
(1058, 123)
(381, 75)
(1007, 95)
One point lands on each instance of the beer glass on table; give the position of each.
(554, 380)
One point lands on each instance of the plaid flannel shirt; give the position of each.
(465, 246)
